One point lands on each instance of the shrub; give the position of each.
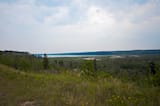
(88, 70)
(156, 77)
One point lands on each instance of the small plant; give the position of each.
(118, 100)
(103, 75)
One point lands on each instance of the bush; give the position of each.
(156, 77)
(88, 70)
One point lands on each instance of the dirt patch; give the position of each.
(28, 103)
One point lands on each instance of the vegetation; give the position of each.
(21, 60)
(108, 81)
(45, 61)
(88, 70)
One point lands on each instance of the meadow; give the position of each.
(112, 81)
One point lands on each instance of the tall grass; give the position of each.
(69, 89)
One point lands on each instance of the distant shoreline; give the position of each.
(102, 53)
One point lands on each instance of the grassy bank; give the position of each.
(20, 88)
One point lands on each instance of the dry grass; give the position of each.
(67, 89)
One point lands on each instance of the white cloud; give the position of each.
(41, 28)
(97, 15)
(60, 15)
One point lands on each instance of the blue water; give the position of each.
(102, 53)
(54, 56)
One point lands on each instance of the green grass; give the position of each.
(18, 88)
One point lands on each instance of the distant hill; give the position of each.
(14, 52)
(131, 52)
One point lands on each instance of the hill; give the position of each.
(19, 88)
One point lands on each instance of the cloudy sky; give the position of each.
(50, 26)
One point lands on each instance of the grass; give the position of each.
(18, 88)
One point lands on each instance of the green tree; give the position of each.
(61, 64)
(45, 62)
(156, 76)
(88, 69)
(95, 65)
(152, 68)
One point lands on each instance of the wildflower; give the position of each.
(113, 96)
(129, 98)
(110, 100)
(122, 101)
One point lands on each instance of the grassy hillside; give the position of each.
(20, 60)
(18, 88)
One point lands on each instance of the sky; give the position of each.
(54, 26)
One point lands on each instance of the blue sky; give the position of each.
(51, 26)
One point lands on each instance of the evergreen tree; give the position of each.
(152, 68)
(45, 62)
(95, 65)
